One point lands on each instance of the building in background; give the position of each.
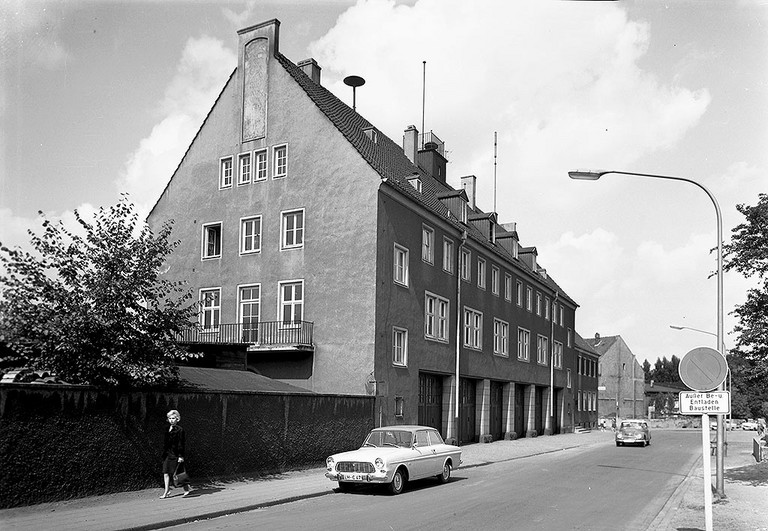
(621, 380)
(329, 257)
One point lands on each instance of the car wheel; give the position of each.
(446, 475)
(345, 486)
(398, 482)
(618, 443)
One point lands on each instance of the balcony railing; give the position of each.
(262, 334)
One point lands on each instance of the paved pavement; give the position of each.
(747, 493)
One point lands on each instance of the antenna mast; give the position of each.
(494, 171)
(423, 98)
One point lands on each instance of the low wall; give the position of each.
(59, 442)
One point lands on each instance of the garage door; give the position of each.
(431, 401)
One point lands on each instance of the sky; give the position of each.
(99, 98)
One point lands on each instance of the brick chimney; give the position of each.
(469, 184)
(311, 68)
(411, 143)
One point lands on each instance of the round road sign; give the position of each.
(703, 369)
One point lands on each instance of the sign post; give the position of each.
(704, 369)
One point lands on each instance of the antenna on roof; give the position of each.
(423, 98)
(494, 171)
(354, 82)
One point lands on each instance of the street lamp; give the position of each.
(593, 175)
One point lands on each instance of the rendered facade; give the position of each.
(621, 379)
(329, 257)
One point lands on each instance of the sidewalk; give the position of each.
(143, 510)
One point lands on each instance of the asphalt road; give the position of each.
(601, 487)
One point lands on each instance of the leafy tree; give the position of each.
(91, 306)
(647, 371)
(747, 253)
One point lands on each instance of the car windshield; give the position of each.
(631, 426)
(396, 438)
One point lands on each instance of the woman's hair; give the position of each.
(175, 414)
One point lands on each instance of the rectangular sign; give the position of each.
(712, 403)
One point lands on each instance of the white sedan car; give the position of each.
(394, 455)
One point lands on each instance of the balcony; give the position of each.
(264, 335)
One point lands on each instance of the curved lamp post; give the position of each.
(593, 175)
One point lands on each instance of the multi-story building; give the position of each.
(329, 257)
(621, 379)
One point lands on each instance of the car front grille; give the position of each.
(355, 466)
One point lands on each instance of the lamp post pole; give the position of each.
(593, 175)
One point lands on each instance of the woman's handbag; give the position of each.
(180, 477)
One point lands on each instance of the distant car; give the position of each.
(749, 425)
(633, 431)
(393, 456)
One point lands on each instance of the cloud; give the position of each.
(32, 34)
(201, 73)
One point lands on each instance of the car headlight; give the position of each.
(378, 463)
(329, 463)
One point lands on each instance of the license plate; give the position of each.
(352, 477)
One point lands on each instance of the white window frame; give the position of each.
(400, 265)
(538, 303)
(293, 303)
(248, 330)
(465, 264)
(557, 355)
(570, 338)
(427, 244)
(473, 328)
(481, 273)
(554, 312)
(568, 378)
(519, 293)
(255, 237)
(546, 308)
(280, 161)
(296, 232)
(399, 346)
(226, 170)
(495, 273)
(542, 349)
(214, 310)
(448, 260)
(562, 315)
(501, 338)
(244, 171)
(523, 344)
(260, 165)
(436, 316)
(205, 240)
(529, 298)
(507, 287)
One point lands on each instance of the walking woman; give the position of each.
(173, 452)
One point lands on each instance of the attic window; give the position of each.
(372, 134)
(416, 183)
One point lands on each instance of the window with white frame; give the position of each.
(569, 382)
(579, 364)
(435, 317)
(495, 280)
(260, 161)
(547, 312)
(570, 338)
(292, 229)
(400, 273)
(211, 241)
(481, 273)
(500, 337)
(427, 244)
(554, 313)
(473, 329)
(291, 302)
(466, 257)
(562, 315)
(280, 161)
(523, 344)
(529, 298)
(519, 287)
(210, 309)
(243, 168)
(250, 235)
(538, 304)
(542, 349)
(557, 355)
(250, 310)
(225, 172)
(508, 287)
(448, 255)
(399, 346)
(399, 406)
(578, 401)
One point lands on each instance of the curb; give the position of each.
(661, 522)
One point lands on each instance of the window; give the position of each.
(427, 244)
(473, 329)
(416, 183)
(562, 315)
(250, 305)
(250, 235)
(568, 378)
(244, 168)
(292, 230)
(500, 337)
(399, 346)
(260, 161)
(570, 338)
(401, 265)
(291, 302)
(528, 299)
(466, 256)
(554, 313)
(448, 255)
(507, 287)
(538, 304)
(519, 293)
(542, 349)
(578, 366)
(212, 240)
(435, 317)
(495, 280)
(523, 344)
(225, 172)
(399, 402)
(280, 159)
(481, 273)
(578, 401)
(546, 308)
(557, 355)
(210, 315)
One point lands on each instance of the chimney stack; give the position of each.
(311, 68)
(469, 184)
(411, 143)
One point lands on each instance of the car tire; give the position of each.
(345, 486)
(618, 443)
(446, 475)
(397, 484)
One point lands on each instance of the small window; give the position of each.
(529, 299)
(422, 439)
(481, 273)
(280, 160)
(507, 287)
(292, 230)
(400, 346)
(557, 355)
(250, 235)
(400, 273)
(211, 241)
(562, 315)
(399, 404)
(546, 309)
(225, 172)
(570, 338)
(473, 329)
(448, 255)
(519, 288)
(427, 244)
(500, 337)
(416, 183)
(495, 280)
(523, 344)
(538, 304)
(466, 273)
(210, 309)
(243, 168)
(260, 161)
(569, 383)
(542, 350)
(436, 317)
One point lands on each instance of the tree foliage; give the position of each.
(91, 305)
(664, 371)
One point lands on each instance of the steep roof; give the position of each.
(582, 344)
(602, 344)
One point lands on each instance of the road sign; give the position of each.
(714, 403)
(703, 369)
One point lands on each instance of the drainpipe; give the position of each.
(458, 330)
(552, 366)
